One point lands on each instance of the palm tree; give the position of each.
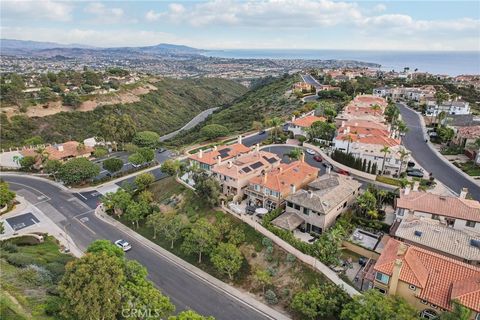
(403, 154)
(442, 115)
(295, 154)
(375, 108)
(385, 150)
(349, 139)
(42, 154)
(274, 123)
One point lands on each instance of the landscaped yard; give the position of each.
(287, 274)
(469, 168)
(28, 272)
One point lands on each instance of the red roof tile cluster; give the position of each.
(471, 132)
(69, 149)
(297, 173)
(307, 121)
(229, 152)
(448, 206)
(441, 279)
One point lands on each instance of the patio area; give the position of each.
(305, 237)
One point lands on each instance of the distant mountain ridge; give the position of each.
(50, 49)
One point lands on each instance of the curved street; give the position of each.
(185, 289)
(414, 140)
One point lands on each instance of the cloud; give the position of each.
(379, 8)
(38, 10)
(103, 14)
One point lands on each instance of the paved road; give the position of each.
(192, 123)
(311, 80)
(414, 140)
(184, 289)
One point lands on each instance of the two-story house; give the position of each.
(318, 207)
(270, 189)
(234, 175)
(454, 212)
(427, 280)
(299, 126)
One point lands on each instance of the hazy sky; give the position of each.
(312, 24)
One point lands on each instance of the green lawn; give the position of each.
(469, 168)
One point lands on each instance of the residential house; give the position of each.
(367, 143)
(62, 151)
(303, 87)
(318, 207)
(454, 212)
(449, 107)
(360, 108)
(206, 160)
(299, 126)
(462, 245)
(235, 174)
(466, 136)
(270, 189)
(427, 280)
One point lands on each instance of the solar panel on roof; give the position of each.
(256, 165)
(224, 152)
(246, 169)
(272, 160)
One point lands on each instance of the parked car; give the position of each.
(262, 131)
(318, 158)
(341, 171)
(122, 244)
(310, 151)
(411, 164)
(160, 150)
(415, 173)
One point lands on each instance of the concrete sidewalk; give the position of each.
(248, 300)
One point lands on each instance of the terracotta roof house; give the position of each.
(270, 189)
(234, 175)
(63, 151)
(206, 160)
(299, 126)
(467, 135)
(427, 280)
(455, 212)
(437, 237)
(317, 208)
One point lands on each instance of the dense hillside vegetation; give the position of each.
(266, 100)
(164, 110)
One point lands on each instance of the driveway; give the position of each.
(414, 140)
(185, 289)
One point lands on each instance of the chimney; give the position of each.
(257, 147)
(402, 249)
(347, 130)
(310, 194)
(397, 267)
(302, 157)
(343, 124)
(215, 148)
(219, 160)
(293, 118)
(293, 188)
(200, 154)
(416, 184)
(328, 170)
(407, 190)
(240, 139)
(265, 177)
(60, 147)
(230, 163)
(463, 193)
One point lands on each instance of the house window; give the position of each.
(471, 224)
(435, 217)
(256, 187)
(382, 291)
(412, 287)
(296, 206)
(401, 212)
(383, 278)
(289, 204)
(305, 211)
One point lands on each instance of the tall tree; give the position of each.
(403, 153)
(117, 201)
(190, 315)
(263, 278)
(112, 165)
(155, 221)
(6, 195)
(105, 246)
(459, 312)
(349, 139)
(227, 259)
(200, 238)
(136, 211)
(173, 227)
(89, 287)
(274, 123)
(77, 170)
(385, 150)
(142, 181)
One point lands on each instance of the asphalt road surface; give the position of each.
(185, 290)
(311, 80)
(192, 123)
(414, 140)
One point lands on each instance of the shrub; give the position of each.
(267, 242)
(20, 259)
(269, 250)
(291, 258)
(35, 275)
(53, 305)
(271, 297)
(7, 246)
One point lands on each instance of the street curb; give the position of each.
(205, 277)
(32, 176)
(466, 176)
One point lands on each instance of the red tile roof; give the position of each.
(370, 139)
(448, 206)
(230, 151)
(440, 278)
(470, 132)
(307, 121)
(70, 149)
(280, 179)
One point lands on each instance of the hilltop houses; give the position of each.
(62, 151)
(299, 126)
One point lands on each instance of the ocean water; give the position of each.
(436, 62)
